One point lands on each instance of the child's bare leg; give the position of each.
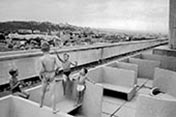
(20, 94)
(53, 98)
(44, 87)
(64, 83)
(26, 94)
(78, 98)
(81, 97)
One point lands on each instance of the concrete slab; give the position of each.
(146, 67)
(149, 84)
(141, 81)
(105, 115)
(144, 90)
(125, 112)
(164, 50)
(113, 100)
(165, 80)
(152, 106)
(67, 106)
(132, 103)
(109, 108)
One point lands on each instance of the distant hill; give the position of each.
(13, 26)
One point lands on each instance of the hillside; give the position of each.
(14, 26)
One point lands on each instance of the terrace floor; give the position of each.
(114, 107)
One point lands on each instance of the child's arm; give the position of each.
(59, 57)
(90, 80)
(14, 86)
(74, 64)
(75, 77)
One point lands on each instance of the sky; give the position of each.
(134, 15)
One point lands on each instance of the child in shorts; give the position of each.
(15, 84)
(66, 65)
(81, 86)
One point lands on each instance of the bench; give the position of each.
(123, 65)
(113, 79)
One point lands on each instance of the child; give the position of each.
(66, 65)
(49, 64)
(15, 84)
(81, 86)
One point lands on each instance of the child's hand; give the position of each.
(76, 63)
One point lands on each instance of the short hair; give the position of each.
(85, 70)
(13, 71)
(66, 54)
(45, 47)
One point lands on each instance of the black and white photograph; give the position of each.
(87, 58)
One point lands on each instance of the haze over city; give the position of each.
(134, 15)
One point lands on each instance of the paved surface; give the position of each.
(114, 107)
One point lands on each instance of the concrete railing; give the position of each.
(26, 61)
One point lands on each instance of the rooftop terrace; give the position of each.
(146, 71)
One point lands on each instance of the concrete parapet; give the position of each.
(152, 106)
(12, 106)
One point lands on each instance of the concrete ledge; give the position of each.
(164, 50)
(12, 106)
(165, 80)
(27, 62)
(148, 106)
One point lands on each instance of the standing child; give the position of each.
(15, 84)
(48, 66)
(81, 86)
(66, 65)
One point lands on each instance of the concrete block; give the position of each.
(123, 65)
(165, 80)
(109, 108)
(120, 77)
(92, 102)
(12, 106)
(151, 106)
(166, 62)
(125, 112)
(145, 67)
(119, 80)
(113, 100)
(132, 103)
